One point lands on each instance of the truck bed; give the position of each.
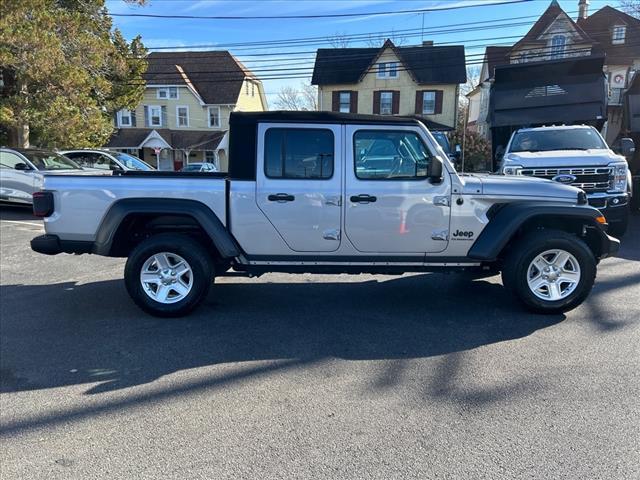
(82, 202)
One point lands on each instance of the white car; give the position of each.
(107, 160)
(199, 167)
(22, 171)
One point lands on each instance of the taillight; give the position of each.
(42, 204)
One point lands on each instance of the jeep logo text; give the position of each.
(461, 234)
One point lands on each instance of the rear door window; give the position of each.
(299, 153)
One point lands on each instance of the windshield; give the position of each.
(131, 162)
(50, 161)
(194, 167)
(563, 139)
(443, 141)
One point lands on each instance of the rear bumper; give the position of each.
(52, 245)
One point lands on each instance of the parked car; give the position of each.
(199, 167)
(454, 154)
(22, 171)
(575, 155)
(107, 160)
(326, 192)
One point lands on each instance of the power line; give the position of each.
(544, 52)
(329, 15)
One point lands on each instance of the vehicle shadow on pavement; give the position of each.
(92, 333)
(17, 212)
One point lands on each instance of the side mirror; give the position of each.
(627, 147)
(22, 167)
(435, 170)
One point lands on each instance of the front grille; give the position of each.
(589, 179)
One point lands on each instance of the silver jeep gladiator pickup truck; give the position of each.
(332, 193)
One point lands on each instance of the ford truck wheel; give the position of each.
(168, 275)
(550, 271)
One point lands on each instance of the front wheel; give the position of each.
(168, 275)
(550, 271)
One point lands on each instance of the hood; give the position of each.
(518, 186)
(562, 158)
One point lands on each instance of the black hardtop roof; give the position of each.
(283, 116)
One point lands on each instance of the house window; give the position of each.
(167, 92)
(386, 103)
(618, 35)
(210, 156)
(182, 116)
(253, 89)
(124, 118)
(428, 103)
(155, 116)
(298, 153)
(558, 43)
(388, 70)
(214, 116)
(246, 88)
(345, 102)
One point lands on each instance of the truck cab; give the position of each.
(575, 155)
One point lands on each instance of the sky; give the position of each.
(182, 34)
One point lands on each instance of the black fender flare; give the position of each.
(206, 218)
(509, 218)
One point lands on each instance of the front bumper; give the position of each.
(615, 207)
(52, 245)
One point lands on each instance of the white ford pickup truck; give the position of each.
(327, 192)
(575, 155)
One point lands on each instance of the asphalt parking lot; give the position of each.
(327, 377)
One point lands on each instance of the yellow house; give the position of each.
(417, 80)
(184, 114)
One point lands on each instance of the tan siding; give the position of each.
(404, 83)
(251, 103)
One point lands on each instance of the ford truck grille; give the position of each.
(589, 179)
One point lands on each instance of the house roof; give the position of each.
(495, 56)
(545, 20)
(599, 27)
(425, 64)
(217, 76)
(194, 139)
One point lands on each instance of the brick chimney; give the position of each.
(583, 9)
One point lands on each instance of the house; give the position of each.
(608, 33)
(617, 36)
(184, 114)
(414, 80)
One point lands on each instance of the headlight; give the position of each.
(512, 170)
(619, 177)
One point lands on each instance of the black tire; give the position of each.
(520, 256)
(187, 248)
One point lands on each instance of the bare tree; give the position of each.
(632, 7)
(339, 40)
(291, 98)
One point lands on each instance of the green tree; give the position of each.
(64, 71)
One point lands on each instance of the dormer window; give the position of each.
(167, 92)
(618, 34)
(388, 70)
(558, 43)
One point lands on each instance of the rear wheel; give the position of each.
(550, 271)
(168, 275)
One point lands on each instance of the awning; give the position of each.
(550, 92)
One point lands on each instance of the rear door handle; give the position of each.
(281, 197)
(363, 198)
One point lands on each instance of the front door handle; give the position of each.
(363, 198)
(281, 197)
